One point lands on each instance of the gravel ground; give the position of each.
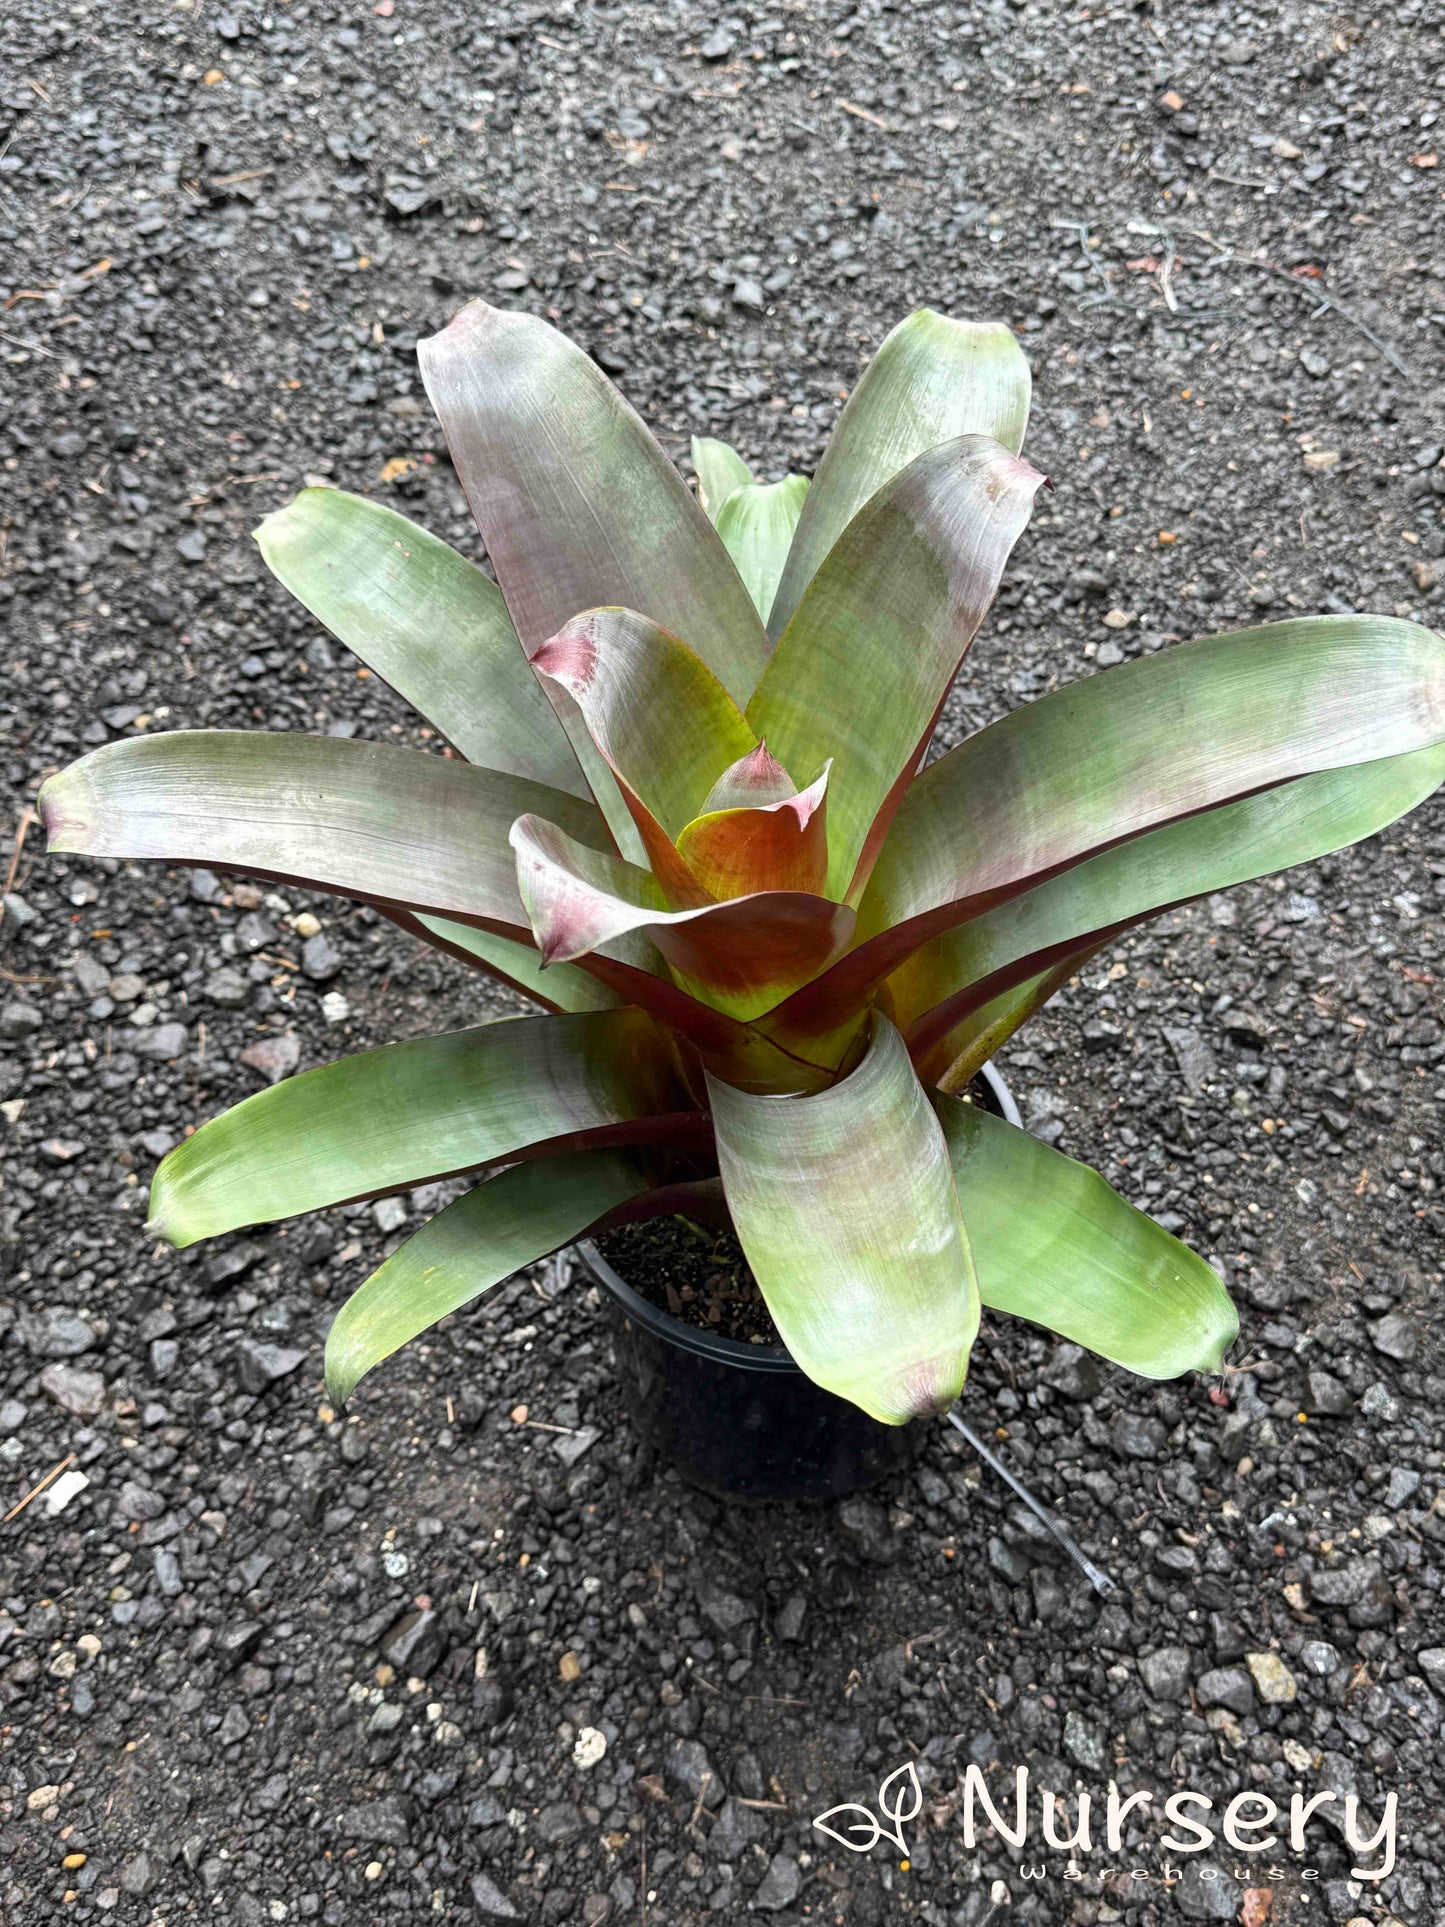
(263, 1662)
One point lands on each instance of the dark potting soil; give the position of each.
(701, 1274)
(697, 1273)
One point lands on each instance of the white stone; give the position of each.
(65, 1488)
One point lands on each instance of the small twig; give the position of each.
(27, 817)
(1097, 1578)
(1166, 270)
(922, 1639)
(703, 1784)
(36, 1490)
(1080, 230)
(764, 1806)
(1310, 290)
(748, 1699)
(30, 347)
(862, 113)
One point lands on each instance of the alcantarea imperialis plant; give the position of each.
(776, 946)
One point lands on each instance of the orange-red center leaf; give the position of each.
(780, 845)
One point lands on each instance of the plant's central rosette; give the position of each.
(716, 818)
(702, 791)
(688, 815)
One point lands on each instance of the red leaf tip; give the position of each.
(569, 657)
(752, 781)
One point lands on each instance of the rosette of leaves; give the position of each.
(687, 813)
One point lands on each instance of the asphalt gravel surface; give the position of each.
(440, 1658)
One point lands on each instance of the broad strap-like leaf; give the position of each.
(740, 956)
(1054, 1244)
(756, 523)
(577, 504)
(781, 845)
(932, 380)
(1151, 741)
(863, 667)
(512, 1219)
(560, 987)
(428, 1108)
(1117, 754)
(381, 825)
(1294, 823)
(719, 470)
(414, 834)
(428, 622)
(846, 1208)
(663, 722)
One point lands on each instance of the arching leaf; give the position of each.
(960, 973)
(428, 1108)
(384, 826)
(1053, 1243)
(846, 1207)
(428, 622)
(932, 380)
(863, 667)
(509, 1221)
(577, 504)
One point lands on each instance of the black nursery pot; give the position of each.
(742, 1421)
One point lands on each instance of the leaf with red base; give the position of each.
(664, 723)
(740, 955)
(777, 845)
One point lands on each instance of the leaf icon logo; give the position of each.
(907, 1802)
(900, 1801)
(866, 1820)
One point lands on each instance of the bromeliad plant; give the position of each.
(693, 823)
